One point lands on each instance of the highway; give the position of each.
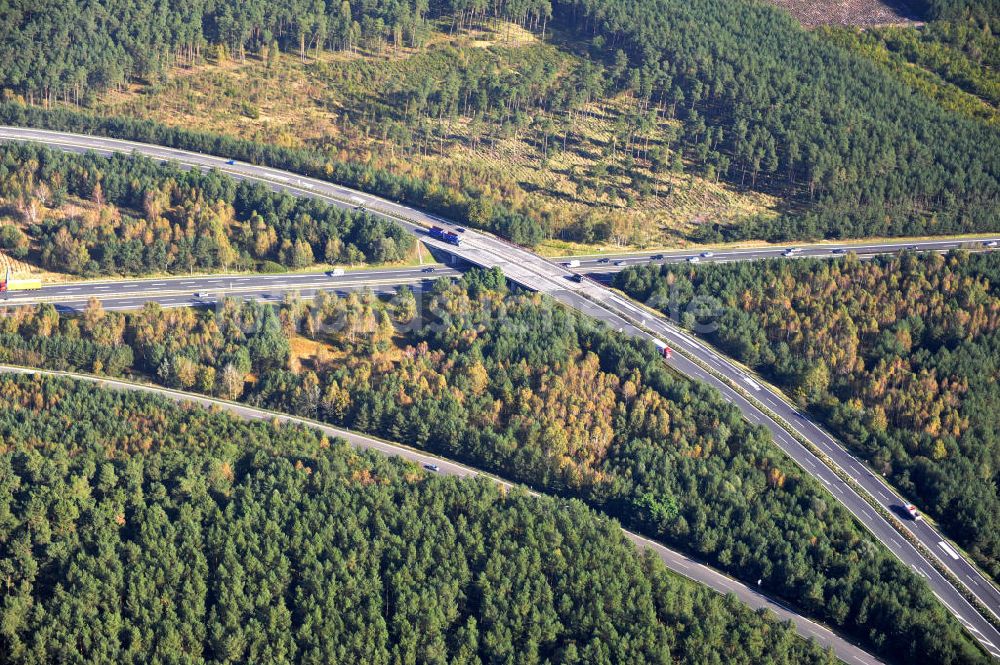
(588, 296)
(612, 263)
(197, 290)
(209, 289)
(676, 561)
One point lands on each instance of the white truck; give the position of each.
(665, 350)
(572, 264)
(336, 272)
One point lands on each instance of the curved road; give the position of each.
(537, 273)
(674, 560)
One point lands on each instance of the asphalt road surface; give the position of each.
(210, 289)
(540, 274)
(674, 560)
(612, 263)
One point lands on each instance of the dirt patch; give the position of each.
(862, 13)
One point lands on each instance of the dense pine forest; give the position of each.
(872, 157)
(133, 530)
(515, 383)
(729, 90)
(128, 215)
(900, 356)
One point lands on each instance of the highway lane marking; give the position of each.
(952, 609)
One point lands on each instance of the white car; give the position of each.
(707, 255)
(990, 243)
(694, 259)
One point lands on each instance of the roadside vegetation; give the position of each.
(88, 215)
(514, 383)
(899, 356)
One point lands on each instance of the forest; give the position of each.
(418, 191)
(128, 215)
(140, 39)
(515, 383)
(750, 97)
(867, 154)
(956, 64)
(899, 356)
(134, 530)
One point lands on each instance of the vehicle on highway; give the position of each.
(665, 350)
(913, 513)
(9, 284)
(200, 295)
(990, 243)
(572, 264)
(619, 263)
(432, 467)
(707, 255)
(576, 277)
(656, 257)
(231, 162)
(427, 270)
(604, 260)
(694, 259)
(840, 250)
(336, 272)
(460, 229)
(449, 237)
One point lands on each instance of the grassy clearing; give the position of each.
(566, 171)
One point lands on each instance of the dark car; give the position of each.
(460, 229)
(604, 260)
(656, 257)
(427, 270)
(432, 467)
(576, 277)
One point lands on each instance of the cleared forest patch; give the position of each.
(591, 177)
(862, 13)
